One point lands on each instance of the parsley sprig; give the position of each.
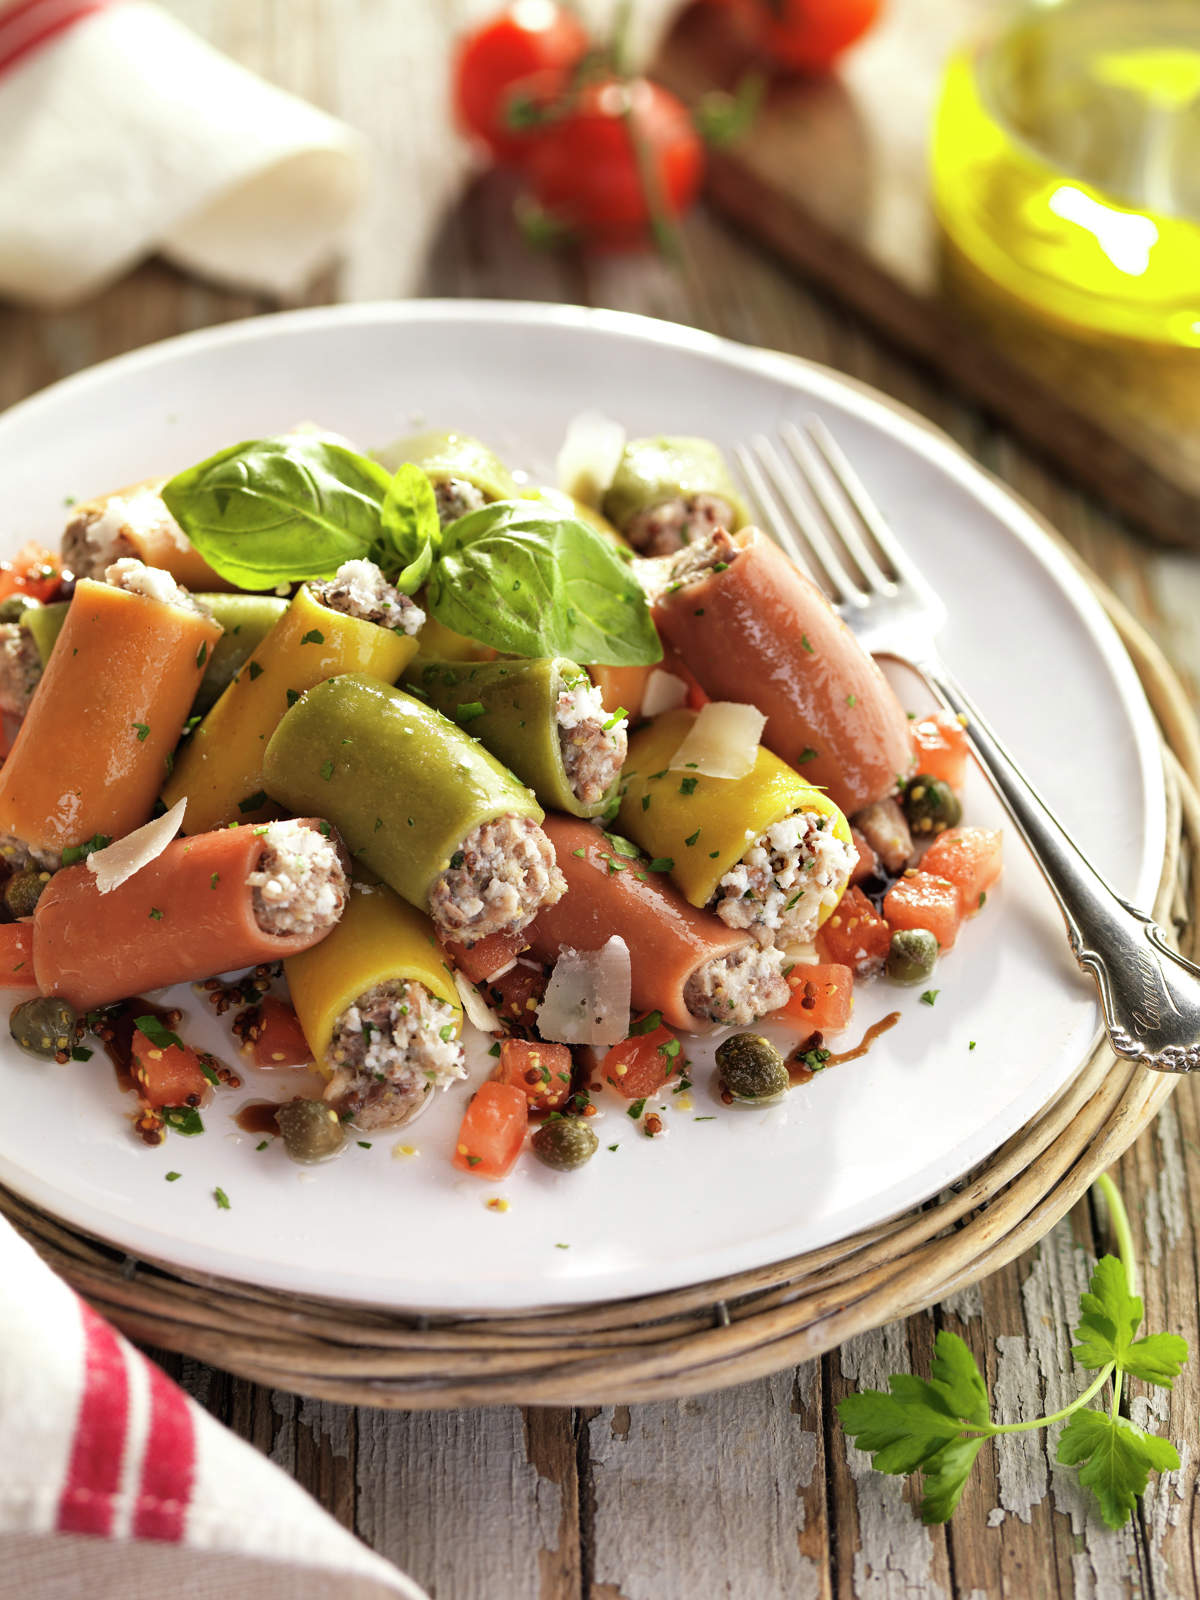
(938, 1425)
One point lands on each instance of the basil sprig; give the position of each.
(517, 574)
(531, 582)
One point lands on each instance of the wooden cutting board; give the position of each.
(833, 176)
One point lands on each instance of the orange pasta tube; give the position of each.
(188, 914)
(92, 752)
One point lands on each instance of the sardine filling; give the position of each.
(390, 1050)
(674, 524)
(299, 884)
(594, 743)
(455, 497)
(359, 589)
(497, 881)
(738, 988)
(791, 873)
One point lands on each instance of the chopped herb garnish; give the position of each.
(562, 1246)
(622, 846)
(155, 914)
(851, 699)
(143, 731)
(254, 670)
(804, 640)
(221, 1198)
(363, 1144)
(292, 696)
(580, 853)
(645, 802)
(160, 1037)
(614, 1147)
(262, 1144)
(982, 898)
(635, 1108)
(202, 654)
(662, 863)
(252, 802)
(930, 996)
(473, 1161)
(457, 859)
(78, 852)
(704, 1119)
(182, 1119)
(692, 839)
(495, 1050)
(468, 711)
(313, 636)
(173, 1177)
(652, 1020)
(807, 754)
(661, 774)
(971, 1046)
(81, 1053)
(327, 769)
(209, 1073)
(446, 1033)
(688, 785)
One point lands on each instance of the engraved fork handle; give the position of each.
(1149, 993)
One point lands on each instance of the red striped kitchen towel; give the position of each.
(122, 134)
(114, 1482)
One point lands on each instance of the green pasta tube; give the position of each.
(670, 492)
(542, 718)
(418, 801)
(465, 474)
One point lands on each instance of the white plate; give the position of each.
(747, 1187)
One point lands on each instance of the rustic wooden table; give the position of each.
(752, 1492)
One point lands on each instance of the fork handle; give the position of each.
(1149, 993)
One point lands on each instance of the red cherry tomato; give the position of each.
(530, 36)
(809, 35)
(625, 153)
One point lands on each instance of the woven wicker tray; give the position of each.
(722, 1332)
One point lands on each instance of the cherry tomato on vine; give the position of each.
(625, 156)
(808, 35)
(527, 37)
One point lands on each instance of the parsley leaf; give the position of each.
(159, 1036)
(1115, 1458)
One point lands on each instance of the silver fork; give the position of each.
(1149, 993)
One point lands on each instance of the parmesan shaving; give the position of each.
(664, 692)
(722, 742)
(587, 999)
(119, 861)
(590, 455)
(478, 1013)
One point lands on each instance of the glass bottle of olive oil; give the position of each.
(1066, 163)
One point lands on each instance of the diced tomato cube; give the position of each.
(940, 742)
(822, 998)
(278, 1037)
(924, 901)
(971, 858)
(35, 571)
(867, 864)
(855, 936)
(640, 1065)
(486, 958)
(541, 1071)
(493, 1130)
(168, 1075)
(621, 688)
(516, 994)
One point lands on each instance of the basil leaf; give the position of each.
(531, 582)
(410, 578)
(272, 511)
(410, 513)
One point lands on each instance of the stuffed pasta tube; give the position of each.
(379, 1009)
(684, 962)
(543, 718)
(419, 802)
(668, 493)
(133, 523)
(354, 622)
(751, 627)
(767, 852)
(95, 743)
(465, 474)
(208, 904)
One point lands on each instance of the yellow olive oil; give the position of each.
(1066, 164)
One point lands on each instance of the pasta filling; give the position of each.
(107, 530)
(700, 560)
(390, 1050)
(791, 873)
(359, 589)
(674, 524)
(153, 583)
(738, 988)
(593, 742)
(299, 883)
(20, 668)
(497, 882)
(455, 497)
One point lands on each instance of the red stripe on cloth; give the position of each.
(29, 24)
(94, 1473)
(168, 1463)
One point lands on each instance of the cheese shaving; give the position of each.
(588, 996)
(118, 862)
(722, 742)
(590, 455)
(664, 692)
(478, 1013)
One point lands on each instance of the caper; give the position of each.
(930, 805)
(564, 1143)
(23, 890)
(912, 956)
(751, 1068)
(311, 1130)
(15, 606)
(44, 1027)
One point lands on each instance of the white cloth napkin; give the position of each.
(124, 134)
(114, 1483)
